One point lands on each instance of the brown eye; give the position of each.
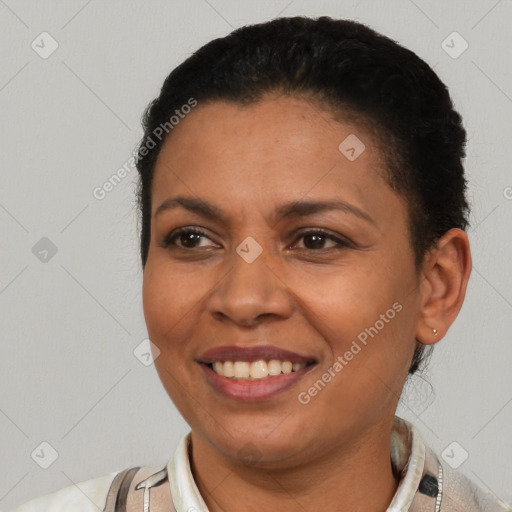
(315, 240)
(188, 238)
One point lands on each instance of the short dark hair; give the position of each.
(360, 75)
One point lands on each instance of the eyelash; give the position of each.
(169, 239)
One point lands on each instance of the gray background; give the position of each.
(70, 323)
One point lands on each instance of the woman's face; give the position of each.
(262, 279)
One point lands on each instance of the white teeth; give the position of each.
(242, 370)
(286, 367)
(274, 367)
(256, 370)
(259, 369)
(218, 367)
(229, 369)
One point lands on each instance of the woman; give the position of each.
(303, 212)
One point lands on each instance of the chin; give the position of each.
(254, 444)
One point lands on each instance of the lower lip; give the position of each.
(253, 390)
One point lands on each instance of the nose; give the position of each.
(250, 292)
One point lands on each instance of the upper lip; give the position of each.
(250, 354)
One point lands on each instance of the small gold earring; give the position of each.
(434, 331)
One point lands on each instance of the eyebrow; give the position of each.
(288, 210)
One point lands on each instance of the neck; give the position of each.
(354, 476)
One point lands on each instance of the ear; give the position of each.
(445, 275)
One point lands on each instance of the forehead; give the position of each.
(276, 149)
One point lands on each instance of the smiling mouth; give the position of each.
(255, 370)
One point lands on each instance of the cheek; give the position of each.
(348, 301)
(368, 319)
(174, 302)
(166, 301)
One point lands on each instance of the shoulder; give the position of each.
(439, 486)
(461, 493)
(85, 496)
(448, 488)
(91, 495)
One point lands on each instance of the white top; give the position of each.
(423, 481)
